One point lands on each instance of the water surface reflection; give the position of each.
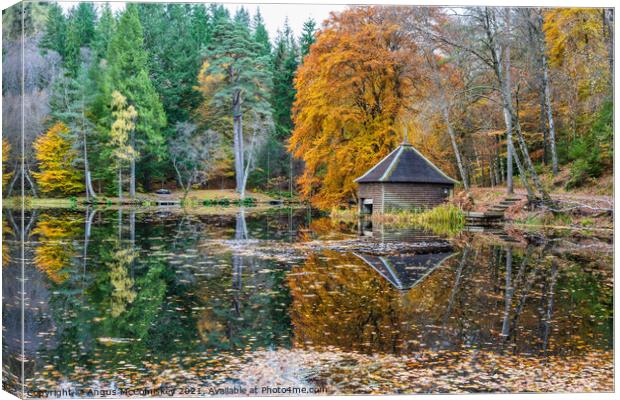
(116, 296)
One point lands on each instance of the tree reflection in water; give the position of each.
(115, 292)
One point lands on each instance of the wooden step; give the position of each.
(483, 215)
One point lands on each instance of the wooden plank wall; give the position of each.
(372, 191)
(398, 196)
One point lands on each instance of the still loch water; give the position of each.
(127, 303)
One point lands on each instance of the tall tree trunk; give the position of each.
(529, 164)
(498, 170)
(522, 176)
(502, 70)
(499, 175)
(509, 162)
(238, 142)
(547, 94)
(132, 179)
(554, 154)
(503, 76)
(90, 192)
(543, 125)
(445, 112)
(248, 164)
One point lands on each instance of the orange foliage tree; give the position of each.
(580, 57)
(56, 162)
(355, 85)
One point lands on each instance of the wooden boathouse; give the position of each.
(404, 179)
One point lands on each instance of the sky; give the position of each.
(273, 14)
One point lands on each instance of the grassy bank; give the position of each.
(445, 219)
(196, 198)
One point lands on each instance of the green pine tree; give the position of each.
(307, 36)
(103, 32)
(128, 74)
(80, 34)
(242, 91)
(174, 56)
(242, 17)
(55, 34)
(260, 34)
(202, 25)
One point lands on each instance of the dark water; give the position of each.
(114, 299)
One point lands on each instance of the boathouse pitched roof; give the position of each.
(405, 165)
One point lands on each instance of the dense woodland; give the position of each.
(187, 96)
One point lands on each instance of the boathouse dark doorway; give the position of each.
(366, 206)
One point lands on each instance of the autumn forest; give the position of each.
(185, 97)
(194, 197)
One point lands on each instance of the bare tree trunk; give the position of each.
(132, 172)
(547, 95)
(504, 83)
(246, 172)
(502, 70)
(184, 187)
(238, 142)
(247, 166)
(90, 192)
(529, 164)
(445, 111)
(509, 162)
(522, 176)
(543, 126)
(499, 175)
